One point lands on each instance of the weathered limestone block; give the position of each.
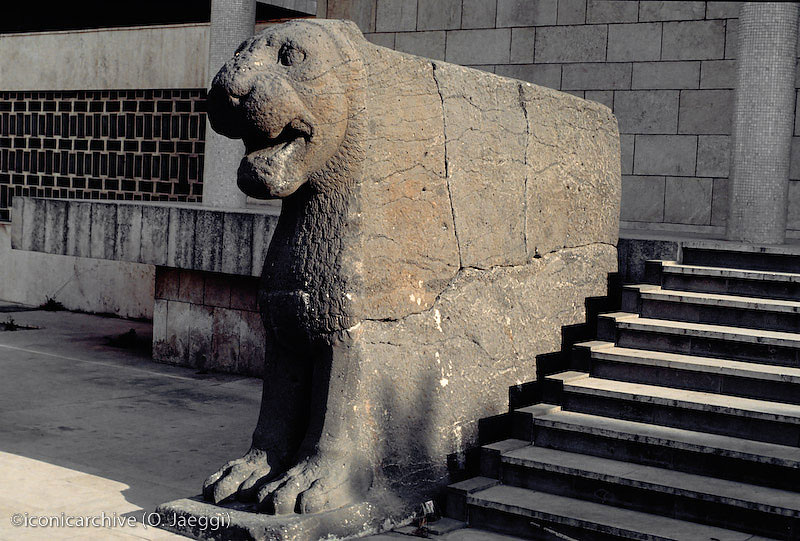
(155, 231)
(440, 226)
(427, 379)
(129, 232)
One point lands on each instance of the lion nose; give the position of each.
(232, 83)
(237, 78)
(225, 116)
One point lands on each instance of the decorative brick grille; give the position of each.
(143, 145)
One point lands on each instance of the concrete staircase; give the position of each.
(682, 421)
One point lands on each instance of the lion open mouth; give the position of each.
(265, 170)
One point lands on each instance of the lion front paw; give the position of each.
(241, 478)
(318, 483)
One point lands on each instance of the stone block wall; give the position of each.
(142, 145)
(207, 321)
(666, 69)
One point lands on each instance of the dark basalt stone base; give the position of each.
(198, 519)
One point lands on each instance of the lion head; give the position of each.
(287, 94)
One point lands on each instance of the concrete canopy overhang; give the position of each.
(308, 7)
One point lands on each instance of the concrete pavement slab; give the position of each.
(89, 428)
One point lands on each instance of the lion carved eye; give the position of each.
(289, 56)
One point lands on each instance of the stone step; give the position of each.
(540, 515)
(713, 253)
(490, 453)
(708, 374)
(719, 309)
(457, 493)
(690, 451)
(760, 420)
(702, 339)
(717, 502)
(761, 284)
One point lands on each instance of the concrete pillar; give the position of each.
(762, 122)
(232, 21)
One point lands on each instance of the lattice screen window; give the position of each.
(102, 144)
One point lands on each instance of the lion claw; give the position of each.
(239, 478)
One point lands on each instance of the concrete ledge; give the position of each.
(734, 246)
(183, 236)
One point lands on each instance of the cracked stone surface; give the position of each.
(440, 226)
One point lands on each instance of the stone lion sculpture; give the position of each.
(439, 227)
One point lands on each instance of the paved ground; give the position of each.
(88, 428)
